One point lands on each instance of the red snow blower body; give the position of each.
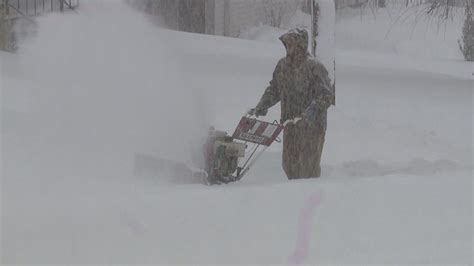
(229, 158)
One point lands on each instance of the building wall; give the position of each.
(4, 27)
(222, 17)
(219, 15)
(243, 14)
(233, 16)
(166, 9)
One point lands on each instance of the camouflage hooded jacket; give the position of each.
(298, 80)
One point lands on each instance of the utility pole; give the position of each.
(323, 22)
(314, 26)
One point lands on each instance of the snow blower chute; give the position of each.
(229, 158)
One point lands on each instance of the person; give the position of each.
(303, 86)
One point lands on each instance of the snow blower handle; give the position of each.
(250, 113)
(256, 112)
(292, 121)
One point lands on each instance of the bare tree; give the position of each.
(467, 44)
(439, 10)
(442, 9)
(446, 9)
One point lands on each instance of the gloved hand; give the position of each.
(258, 112)
(310, 115)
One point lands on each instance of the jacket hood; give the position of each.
(300, 37)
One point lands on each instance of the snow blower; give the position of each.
(229, 158)
(226, 158)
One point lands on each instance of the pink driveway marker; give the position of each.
(304, 229)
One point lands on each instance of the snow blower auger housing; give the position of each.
(229, 158)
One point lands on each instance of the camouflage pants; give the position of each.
(302, 149)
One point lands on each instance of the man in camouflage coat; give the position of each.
(303, 87)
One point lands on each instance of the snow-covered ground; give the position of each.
(97, 87)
